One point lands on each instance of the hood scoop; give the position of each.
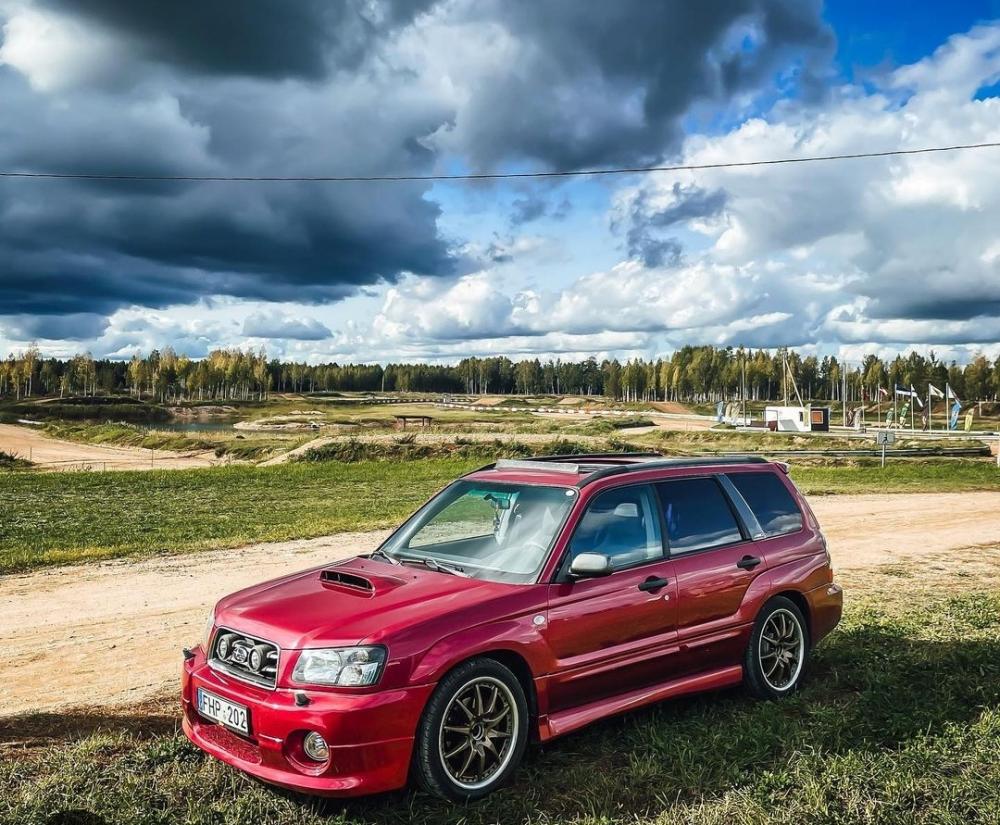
(352, 581)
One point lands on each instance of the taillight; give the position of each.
(826, 552)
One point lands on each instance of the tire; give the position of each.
(479, 713)
(773, 671)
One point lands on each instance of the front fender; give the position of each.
(518, 635)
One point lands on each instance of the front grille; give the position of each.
(245, 657)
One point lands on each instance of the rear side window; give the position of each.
(697, 515)
(770, 501)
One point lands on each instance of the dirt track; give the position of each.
(56, 454)
(113, 632)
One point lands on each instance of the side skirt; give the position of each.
(566, 721)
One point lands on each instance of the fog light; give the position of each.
(315, 747)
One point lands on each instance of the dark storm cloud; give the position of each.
(609, 82)
(316, 87)
(532, 207)
(642, 239)
(73, 327)
(270, 326)
(260, 38)
(527, 209)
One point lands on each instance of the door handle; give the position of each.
(653, 583)
(748, 562)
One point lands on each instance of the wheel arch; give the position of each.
(519, 666)
(802, 603)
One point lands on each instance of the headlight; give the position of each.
(206, 635)
(342, 666)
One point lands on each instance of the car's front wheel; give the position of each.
(473, 732)
(776, 656)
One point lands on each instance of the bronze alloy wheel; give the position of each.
(478, 732)
(781, 650)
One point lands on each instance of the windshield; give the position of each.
(499, 532)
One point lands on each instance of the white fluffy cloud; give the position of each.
(854, 254)
(901, 251)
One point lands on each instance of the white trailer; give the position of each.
(787, 419)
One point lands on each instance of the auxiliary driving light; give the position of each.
(315, 747)
(224, 645)
(257, 658)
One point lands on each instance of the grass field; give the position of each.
(899, 721)
(61, 517)
(56, 518)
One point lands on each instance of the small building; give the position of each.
(787, 419)
(819, 419)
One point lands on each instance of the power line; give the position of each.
(568, 173)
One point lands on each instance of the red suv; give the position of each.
(524, 601)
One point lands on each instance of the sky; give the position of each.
(849, 257)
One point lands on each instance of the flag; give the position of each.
(934, 391)
(956, 408)
(915, 397)
(883, 392)
(901, 390)
(951, 392)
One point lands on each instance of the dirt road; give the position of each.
(111, 633)
(56, 454)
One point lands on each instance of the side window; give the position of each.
(622, 524)
(770, 501)
(697, 515)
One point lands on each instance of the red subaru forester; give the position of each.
(527, 599)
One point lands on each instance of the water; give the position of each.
(214, 426)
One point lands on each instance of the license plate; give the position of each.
(230, 714)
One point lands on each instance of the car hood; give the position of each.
(346, 602)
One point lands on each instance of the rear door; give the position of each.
(614, 633)
(714, 562)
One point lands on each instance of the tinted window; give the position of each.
(622, 524)
(697, 515)
(770, 501)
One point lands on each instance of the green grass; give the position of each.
(54, 518)
(10, 461)
(248, 446)
(899, 721)
(901, 476)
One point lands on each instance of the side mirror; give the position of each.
(590, 566)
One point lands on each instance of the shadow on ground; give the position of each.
(875, 690)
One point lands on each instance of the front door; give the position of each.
(615, 633)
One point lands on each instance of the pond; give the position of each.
(213, 426)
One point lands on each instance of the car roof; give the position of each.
(581, 470)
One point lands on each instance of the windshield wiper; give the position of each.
(382, 554)
(437, 566)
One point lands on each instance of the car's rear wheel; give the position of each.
(776, 657)
(473, 732)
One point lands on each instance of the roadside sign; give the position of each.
(884, 438)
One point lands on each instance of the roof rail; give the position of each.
(583, 458)
(681, 461)
(593, 466)
(522, 464)
(546, 461)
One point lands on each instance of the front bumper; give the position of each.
(370, 734)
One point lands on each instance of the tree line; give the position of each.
(691, 374)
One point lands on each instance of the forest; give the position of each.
(690, 374)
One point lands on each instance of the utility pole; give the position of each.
(843, 390)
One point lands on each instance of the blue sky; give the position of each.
(850, 258)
